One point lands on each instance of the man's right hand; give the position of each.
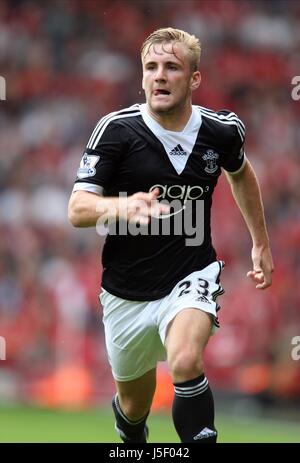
(140, 207)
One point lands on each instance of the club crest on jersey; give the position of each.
(211, 161)
(87, 165)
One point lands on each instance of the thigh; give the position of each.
(189, 331)
(136, 396)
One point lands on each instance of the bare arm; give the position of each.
(85, 208)
(246, 192)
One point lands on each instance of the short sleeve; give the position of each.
(235, 159)
(100, 158)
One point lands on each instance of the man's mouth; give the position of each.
(161, 92)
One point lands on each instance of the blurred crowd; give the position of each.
(67, 63)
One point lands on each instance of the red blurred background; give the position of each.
(66, 64)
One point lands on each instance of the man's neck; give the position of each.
(174, 121)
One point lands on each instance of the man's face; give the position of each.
(167, 77)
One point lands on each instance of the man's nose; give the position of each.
(160, 74)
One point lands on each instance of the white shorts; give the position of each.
(135, 331)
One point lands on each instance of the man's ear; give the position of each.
(195, 80)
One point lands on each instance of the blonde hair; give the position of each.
(171, 35)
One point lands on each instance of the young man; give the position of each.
(160, 283)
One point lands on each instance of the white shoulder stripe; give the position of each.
(105, 124)
(229, 116)
(214, 113)
(239, 129)
(105, 118)
(233, 120)
(99, 123)
(222, 117)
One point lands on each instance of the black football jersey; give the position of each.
(128, 151)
